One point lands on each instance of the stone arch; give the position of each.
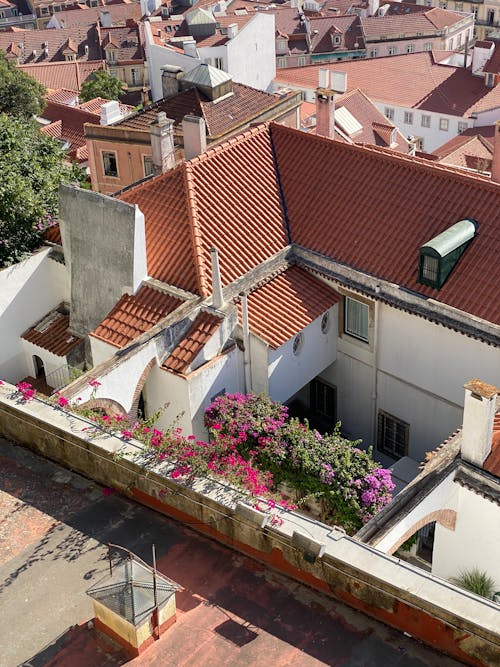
(446, 518)
(110, 406)
(139, 387)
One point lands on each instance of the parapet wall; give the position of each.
(411, 600)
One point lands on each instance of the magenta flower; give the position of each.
(94, 383)
(62, 402)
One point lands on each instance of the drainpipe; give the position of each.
(217, 296)
(247, 363)
(375, 369)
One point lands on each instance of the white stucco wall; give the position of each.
(28, 291)
(251, 55)
(488, 117)
(289, 372)
(474, 543)
(51, 361)
(100, 350)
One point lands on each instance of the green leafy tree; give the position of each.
(20, 94)
(101, 84)
(32, 165)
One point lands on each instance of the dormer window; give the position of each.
(111, 56)
(439, 256)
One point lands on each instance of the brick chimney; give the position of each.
(194, 131)
(329, 84)
(162, 143)
(479, 412)
(495, 163)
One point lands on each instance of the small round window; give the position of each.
(297, 343)
(325, 323)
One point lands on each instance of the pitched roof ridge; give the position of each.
(148, 181)
(268, 278)
(192, 211)
(411, 160)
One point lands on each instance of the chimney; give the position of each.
(110, 112)
(329, 83)
(373, 6)
(495, 163)
(145, 97)
(247, 362)
(217, 296)
(170, 80)
(189, 46)
(105, 19)
(195, 136)
(162, 143)
(145, 8)
(479, 412)
(232, 30)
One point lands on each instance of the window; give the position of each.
(325, 323)
(443, 5)
(459, 42)
(392, 435)
(461, 127)
(109, 164)
(389, 113)
(410, 48)
(133, 74)
(491, 17)
(112, 57)
(408, 118)
(297, 343)
(392, 50)
(219, 63)
(444, 124)
(57, 8)
(459, 6)
(301, 61)
(323, 399)
(489, 79)
(450, 45)
(148, 165)
(281, 44)
(374, 53)
(427, 46)
(356, 318)
(44, 11)
(281, 62)
(425, 121)
(430, 268)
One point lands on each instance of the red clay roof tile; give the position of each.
(52, 334)
(285, 305)
(134, 315)
(69, 75)
(200, 332)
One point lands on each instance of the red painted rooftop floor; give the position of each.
(231, 610)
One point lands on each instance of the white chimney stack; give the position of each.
(373, 6)
(105, 19)
(189, 46)
(194, 131)
(232, 30)
(162, 143)
(110, 112)
(479, 412)
(217, 296)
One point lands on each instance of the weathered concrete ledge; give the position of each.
(430, 609)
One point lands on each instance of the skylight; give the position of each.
(347, 122)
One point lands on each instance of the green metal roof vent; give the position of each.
(439, 256)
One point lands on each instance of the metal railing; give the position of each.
(62, 376)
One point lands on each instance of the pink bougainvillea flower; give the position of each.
(62, 402)
(126, 434)
(94, 383)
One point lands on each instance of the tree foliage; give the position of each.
(20, 94)
(101, 84)
(31, 166)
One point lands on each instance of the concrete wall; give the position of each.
(251, 55)
(398, 594)
(28, 291)
(104, 245)
(474, 543)
(289, 372)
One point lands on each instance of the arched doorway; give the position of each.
(39, 367)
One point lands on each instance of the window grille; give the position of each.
(356, 319)
(392, 435)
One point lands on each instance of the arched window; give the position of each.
(39, 367)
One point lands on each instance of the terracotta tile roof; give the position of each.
(135, 314)
(202, 329)
(52, 334)
(493, 64)
(69, 75)
(95, 105)
(427, 23)
(467, 151)
(492, 463)
(53, 234)
(119, 13)
(63, 96)
(126, 40)
(186, 213)
(70, 120)
(217, 39)
(221, 116)
(410, 80)
(29, 41)
(349, 27)
(378, 227)
(281, 308)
